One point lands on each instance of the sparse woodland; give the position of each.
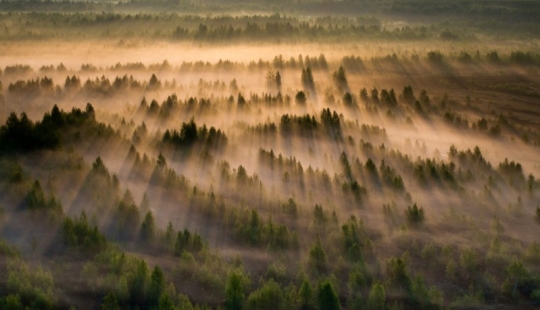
(326, 162)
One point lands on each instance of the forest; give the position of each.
(313, 155)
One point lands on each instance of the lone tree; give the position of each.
(307, 81)
(300, 98)
(415, 215)
(408, 94)
(161, 161)
(348, 100)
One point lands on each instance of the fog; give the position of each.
(403, 160)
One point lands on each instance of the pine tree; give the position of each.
(377, 297)
(327, 297)
(148, 228)
(234, 291)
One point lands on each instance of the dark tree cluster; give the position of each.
(187, 241)
(429, 171)
(354, 240)
(79, 233)
(253, 230)
(350, 183)
(391, 177)
(372, 131)
(190, 135)
(263, 129)
(290, 167)
(126, 218)
(385, 97)
(331, 123)
(353, 64)
(35, 200)
(284, 30)
(72, 84)
(415, 214)
(139, 287)
(513, 171)
(470, 158)
(18, 70)
(172, 105)
(20, 134)
(305, 125)
(455, 120)
(38, 87)
(340, 80)
(103, 86)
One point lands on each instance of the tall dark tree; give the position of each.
(156, 288)
(234, 291)
(375, 95)
(278, 81)
(340, 80)
(154, 83)
(139, 286)
(408, 94)
(241, 101)
(317, 257)
(348, 100)
(327, 297)
(161, 161)
(377, 297)
(307, 82)
(306, 296)
(35, 199)
(364, 95)
(300, 98)
(148, 227)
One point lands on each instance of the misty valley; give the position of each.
(201, 155)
